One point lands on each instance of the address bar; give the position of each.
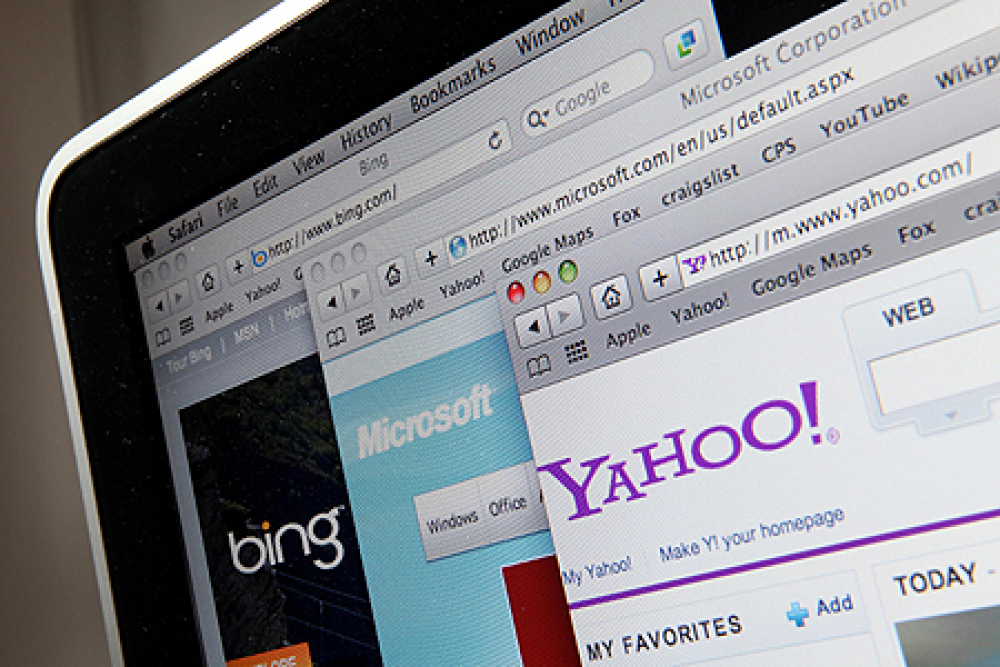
(915, 181)
(885, 56)
(406, 184)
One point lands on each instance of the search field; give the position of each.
(914, 377)
(410, 182)
(606, 84)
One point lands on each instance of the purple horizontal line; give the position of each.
(787, 558)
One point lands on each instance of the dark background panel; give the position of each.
(750, 22)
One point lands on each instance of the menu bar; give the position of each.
(545, 34)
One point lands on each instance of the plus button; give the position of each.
(431, 258)
(797, 615)
(660, 278)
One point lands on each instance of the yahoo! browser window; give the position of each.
(763, 416)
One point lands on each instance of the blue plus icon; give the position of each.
(798, 615)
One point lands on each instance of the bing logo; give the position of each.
(251, 553)
(259, 258)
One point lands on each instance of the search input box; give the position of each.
(594, 90)
(420, 177)
(938, 370)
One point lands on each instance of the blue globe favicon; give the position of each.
(457, 247)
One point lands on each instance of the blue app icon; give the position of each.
(457, 247)
(258, 257)
(686, 45)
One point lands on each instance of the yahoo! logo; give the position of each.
(695, 264)
(714, 448)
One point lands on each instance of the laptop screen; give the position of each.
(628, 339)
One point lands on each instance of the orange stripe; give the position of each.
(289, 656)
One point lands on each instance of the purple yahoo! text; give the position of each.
(679, 460)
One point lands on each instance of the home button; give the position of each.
(611, 297)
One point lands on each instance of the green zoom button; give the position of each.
(568, 271)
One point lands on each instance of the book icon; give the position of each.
(538, 366)
(335, 337)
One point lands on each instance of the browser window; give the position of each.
(422, 394)
(762, 419)
(365, 444)
(308, 540)
(444, 491)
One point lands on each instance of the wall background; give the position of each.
(63, 63)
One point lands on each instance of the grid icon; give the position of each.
(366, 324)
(576, 352)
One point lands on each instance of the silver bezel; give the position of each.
(80, 145)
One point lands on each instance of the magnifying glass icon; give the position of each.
(536, 119)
